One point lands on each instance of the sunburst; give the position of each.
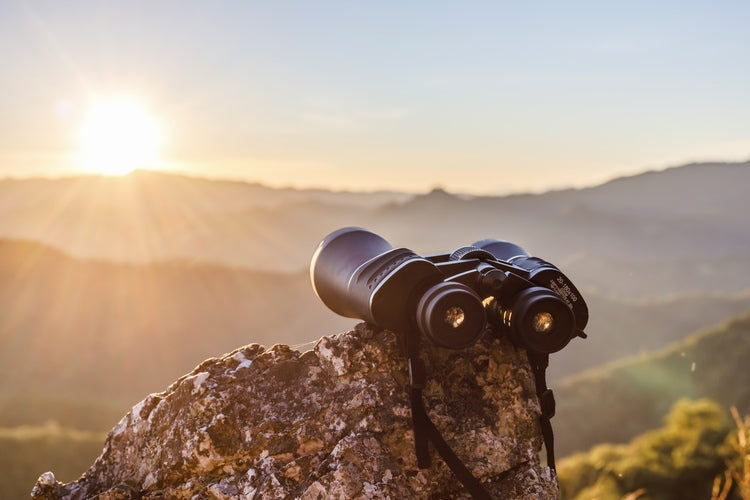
(118, 136)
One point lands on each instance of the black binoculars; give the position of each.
(450, 299)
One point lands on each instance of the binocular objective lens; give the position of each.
(454, 316)
(543, 322)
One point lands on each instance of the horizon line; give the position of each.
(351, 190)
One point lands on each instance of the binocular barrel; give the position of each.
(358, 274)
(335, 264)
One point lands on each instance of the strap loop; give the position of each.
(539, 363)
(547, 403)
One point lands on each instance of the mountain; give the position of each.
(652, 234)
(130, 328)
(628, 327)
(151, 216)
(617, 402)
(656, 233)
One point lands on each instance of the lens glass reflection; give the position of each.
(543, 322)
(454, 317)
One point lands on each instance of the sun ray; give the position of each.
(118, 136)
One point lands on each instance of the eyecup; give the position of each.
(433, 312)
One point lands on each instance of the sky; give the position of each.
(478, 97)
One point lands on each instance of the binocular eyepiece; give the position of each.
(451, 299)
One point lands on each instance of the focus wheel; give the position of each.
(465, 253)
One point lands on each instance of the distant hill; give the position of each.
(151, 216)
(652, 234)
(627, 327)
(677, 230)
(85, 328)
(204, 193)
(617, 402)
(26, 452)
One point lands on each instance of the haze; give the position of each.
(481, 97)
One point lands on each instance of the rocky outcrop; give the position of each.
(332, 422)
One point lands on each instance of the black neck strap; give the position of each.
(425, 430)
(539, 363)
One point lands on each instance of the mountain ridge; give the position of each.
(154, 217)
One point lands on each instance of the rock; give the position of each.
(333, 422)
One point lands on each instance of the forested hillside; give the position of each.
(614, 403)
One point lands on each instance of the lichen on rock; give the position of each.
(333, 422)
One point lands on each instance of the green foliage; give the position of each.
(28, 451)
(624, 399)
(677, 461)
(737, 475)
(39, 434)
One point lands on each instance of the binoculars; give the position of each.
(450, 299)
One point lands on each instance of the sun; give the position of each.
(117, 136)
